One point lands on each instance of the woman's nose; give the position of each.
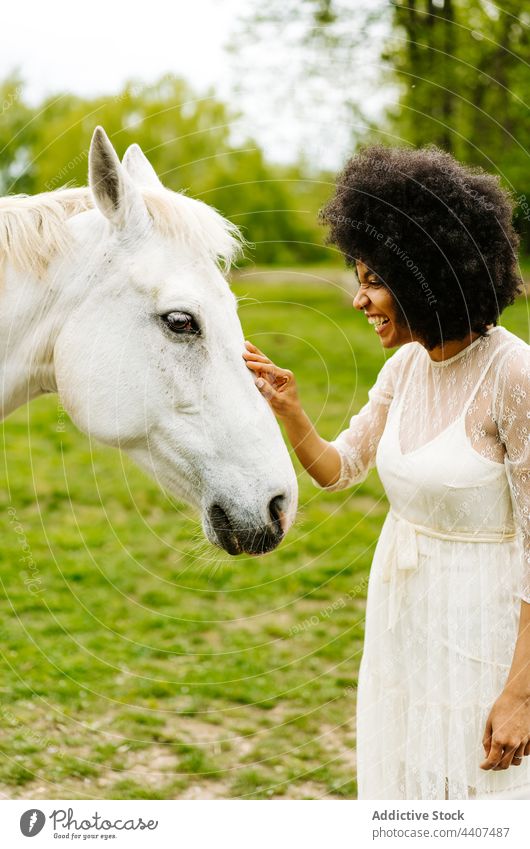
(360, 300)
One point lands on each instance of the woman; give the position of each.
(443, 708)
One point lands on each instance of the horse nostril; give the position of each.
(246, 533)
(220, 520)
(275, 511)
(224, 530)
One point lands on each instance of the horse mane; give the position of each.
(33, 227)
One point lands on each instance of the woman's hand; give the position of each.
(276, 384)
(507, 736)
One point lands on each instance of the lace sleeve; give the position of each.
(512, 400)
(357, 444)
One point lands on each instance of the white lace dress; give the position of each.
(451, 443)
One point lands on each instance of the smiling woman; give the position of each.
(379, 305)
(382, 315)
(437, 234)
(446, 660)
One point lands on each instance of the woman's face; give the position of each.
(377, 303)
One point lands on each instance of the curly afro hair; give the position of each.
(439, 234)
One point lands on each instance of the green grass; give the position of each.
(144, 664)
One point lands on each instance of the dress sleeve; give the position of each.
(357, 445)
(512, 399)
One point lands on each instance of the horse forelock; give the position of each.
(195, 223)
(33, 227)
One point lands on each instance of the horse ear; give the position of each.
(139, 168)
(114, 193)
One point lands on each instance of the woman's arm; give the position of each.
(507, 736)
(278, 386)
(518, 681)
(318, 457)
(345, 460)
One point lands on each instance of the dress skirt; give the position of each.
(439, 643)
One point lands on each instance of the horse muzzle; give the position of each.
(237, 533)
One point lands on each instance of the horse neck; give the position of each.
(31, 315)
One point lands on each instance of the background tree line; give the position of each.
(457, 74)
(458, 70)
(190, 141)
(464, 72)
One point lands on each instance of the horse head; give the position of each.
(148, 357)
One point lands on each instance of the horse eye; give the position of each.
(181, 322)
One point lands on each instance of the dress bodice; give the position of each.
(444, 483)
(451, 439)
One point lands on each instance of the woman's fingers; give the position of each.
(503, 747)
(276, 376)
(504, 763)
(265, 388)
(494, 755)
(259, 366)
(257, 361)
(486, 739)
(277, 385)
(250, 356)
(502, 757)
(271, 377)
(518, 755)
(253, 348)
(279, 375)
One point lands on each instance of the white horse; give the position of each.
(113, 297)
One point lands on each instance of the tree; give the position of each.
(313, 65)
(17, 133)
(458, 70)
(189, 140)
(464, 71)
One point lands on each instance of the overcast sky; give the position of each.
(92, 48)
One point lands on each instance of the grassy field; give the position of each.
(137, 661)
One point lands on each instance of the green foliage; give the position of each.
(189, 140)
(17, 136)
(458, 73)
(463, 67)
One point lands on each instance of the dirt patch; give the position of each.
(341, 740)
(225, 746)
(209, 790)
